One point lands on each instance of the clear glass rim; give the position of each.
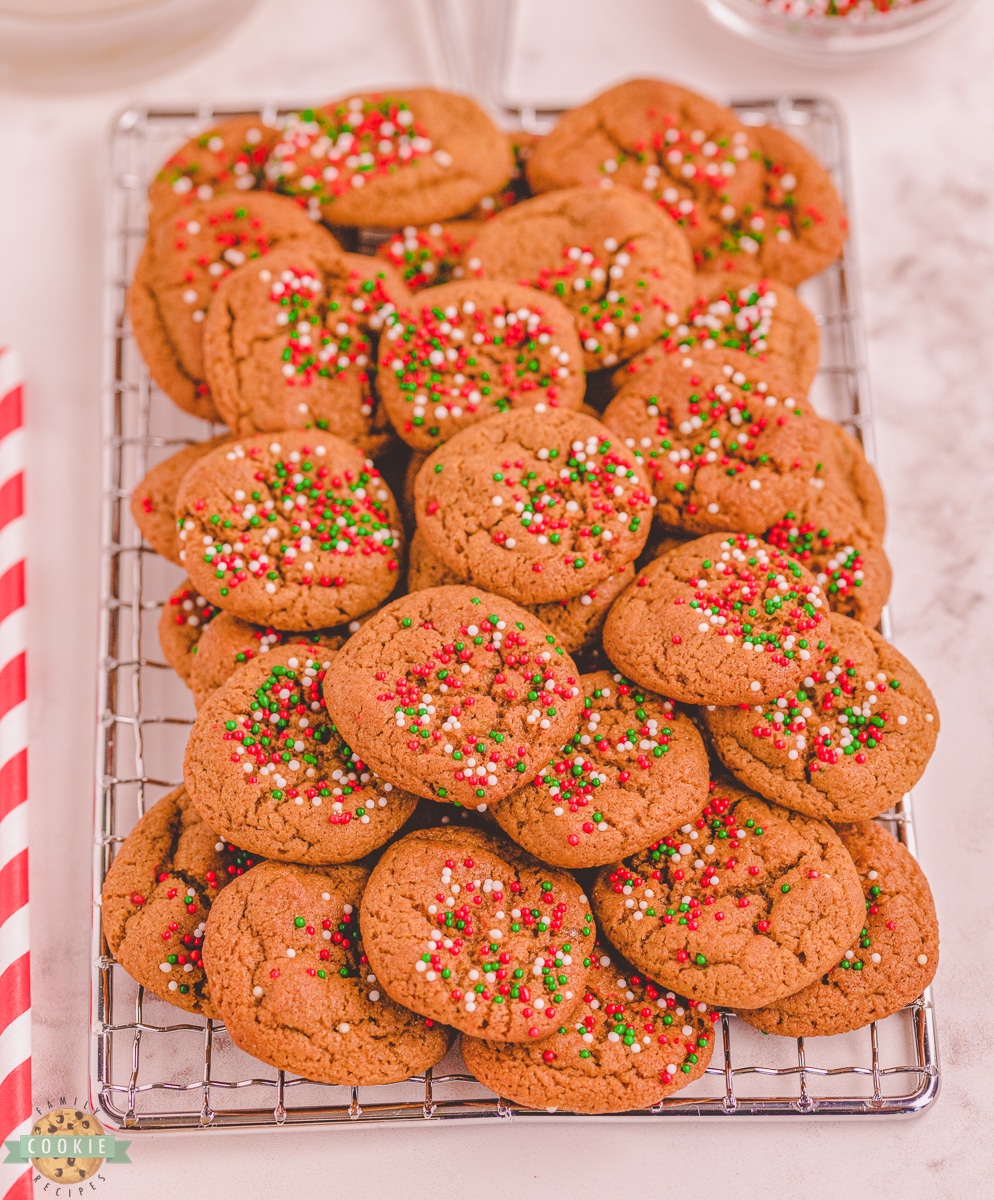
(823, 24)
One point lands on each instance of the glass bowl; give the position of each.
(817, 39)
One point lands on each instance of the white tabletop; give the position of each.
(922, 123)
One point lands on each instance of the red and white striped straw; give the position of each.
(15, 982)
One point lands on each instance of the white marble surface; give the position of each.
(922, 123)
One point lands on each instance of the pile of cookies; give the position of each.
(530, 606)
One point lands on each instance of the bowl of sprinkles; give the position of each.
(830, 32)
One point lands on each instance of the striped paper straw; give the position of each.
(15, 984)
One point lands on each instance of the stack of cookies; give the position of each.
(530, 607)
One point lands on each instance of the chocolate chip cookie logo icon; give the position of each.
(67, 1146)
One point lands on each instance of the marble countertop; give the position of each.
(922, 129)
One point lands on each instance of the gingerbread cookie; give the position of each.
(680, 149)
(742, 906)
(891, 963)
(290, 343)
(295, 529)
(226, 159)
(406, 157)
(430, 255)
(725, 619)
(634, 772)
(185, 258)
(156, 897)
(153, 502)
(630, 1045)
(846, 471)
(727, 443)
(619, 264)
(233, 642)
(454, 694)
(736, 311)
(537, 508)
(847, 742)
(265, 764)
(293, 986)
(182, 623)
(790, 227)
(576, 622)
(474, 349)
(466, 928)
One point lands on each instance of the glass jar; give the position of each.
(814, 38)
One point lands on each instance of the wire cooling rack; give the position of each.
(156, 1067)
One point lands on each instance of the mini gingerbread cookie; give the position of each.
(432, 254)
(293, 986)
(233, 642)
(630, 1045)
(266, 765)
(790, 227)
(290, 343)
(619, 264)
(474, 349)
(156, 897)
(226, 159)
(185, 258)
(466, 928)
(635, 771)
(536, 508)
(848, 742)
(406, 157)
(891, 963)
(682, 150)
(454, 694)
(577, 622)
(763, 318)
(727, 443)
(742, 906)
(183, 622)
(725, 619)
(295, 529)
(846, 471)
(153, 502)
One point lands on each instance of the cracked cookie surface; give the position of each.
(743, 905)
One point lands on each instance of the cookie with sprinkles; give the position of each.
(233, 642)
(538, 508)
(291, 343)
(891, 962)
(226, 159)
(792, 226)
(847, 742)
(184, 620)
(464, 927)
(153, 502)
(763, 318)
(454, 694)
(727, 443)
(184, 260)
(430, 255)
(577, 622)
(266, 765)
(474, 349)
(630, 1045)
(406, 157)
(292, 983)
(741, 906)
(635, 770)
(618, 264)
(846, 471)
(724, 619)
(156, 897)
(296, 530)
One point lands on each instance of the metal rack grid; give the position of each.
(155, 1067)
